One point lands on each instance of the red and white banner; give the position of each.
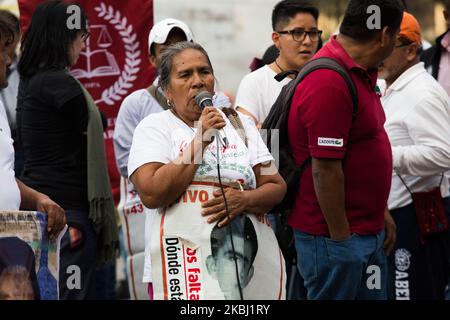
(195, 260)
(115, 61)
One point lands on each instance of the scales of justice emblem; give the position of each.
(115, 60)
(96, 58)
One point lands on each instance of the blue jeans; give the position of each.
(295, 290)
(352, 269)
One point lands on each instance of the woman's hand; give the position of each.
(210, 121)
(215, 208)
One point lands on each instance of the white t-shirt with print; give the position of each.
(258, 91)
(9, 194)
(161, 137)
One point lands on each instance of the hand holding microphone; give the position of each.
(211, 117)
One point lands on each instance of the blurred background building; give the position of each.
(235, 31)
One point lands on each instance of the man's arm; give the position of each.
(34, 200)
(429, 129)
(328, 180)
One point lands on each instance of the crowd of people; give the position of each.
(373, 147)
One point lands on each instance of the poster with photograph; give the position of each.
(194, 260)
(31, 228)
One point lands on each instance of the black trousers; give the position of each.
(77, 258)
(418, 267)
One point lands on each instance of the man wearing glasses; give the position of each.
(339, 213)
(418, 124)
(297, 38)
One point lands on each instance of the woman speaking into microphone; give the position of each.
(174, 149)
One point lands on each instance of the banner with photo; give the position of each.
(31, 228)
(194, 260)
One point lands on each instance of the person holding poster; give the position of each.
(172, 155)
(62, 136)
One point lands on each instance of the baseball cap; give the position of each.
(160, 31)
(410, 28)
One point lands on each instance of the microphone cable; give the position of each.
(228, 226)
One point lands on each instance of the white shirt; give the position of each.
(8, 95)
(258, 91)
(418, 124)
(161, 137)
(9, 190)
(134, 108)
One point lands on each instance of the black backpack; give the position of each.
(278, 119)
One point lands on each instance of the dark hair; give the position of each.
(446, 3)
(169, 54)
(10, 18)
(240, 225)
(270, 55)
(355, 20)
(7, 32)
(285, 10)
(405, 5)
(46, 43)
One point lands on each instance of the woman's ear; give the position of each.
(168, 94)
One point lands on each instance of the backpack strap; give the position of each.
(331, 64)
(158, 97)
(323, 63)
(236, 122)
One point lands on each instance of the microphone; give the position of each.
(204, 99)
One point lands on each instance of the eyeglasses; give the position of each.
(402, 45)
(85, 35)
(299, 35)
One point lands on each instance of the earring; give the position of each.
(168, 103)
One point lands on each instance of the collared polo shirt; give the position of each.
(320, 124)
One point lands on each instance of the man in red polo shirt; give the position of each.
(338, 217)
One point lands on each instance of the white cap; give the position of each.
(161, 30)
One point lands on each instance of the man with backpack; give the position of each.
(338, 214)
